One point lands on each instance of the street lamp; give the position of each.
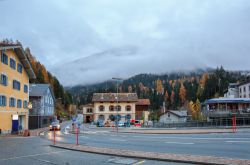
(117, 79)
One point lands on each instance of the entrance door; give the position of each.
(14, 126)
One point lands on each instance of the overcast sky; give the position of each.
(87, 41)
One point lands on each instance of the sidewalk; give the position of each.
(181, 158)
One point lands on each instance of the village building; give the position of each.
(174, 116)
(43, 105)
(15, 72)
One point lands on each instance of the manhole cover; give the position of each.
(118, 160)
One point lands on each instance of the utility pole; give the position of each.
(117, 102)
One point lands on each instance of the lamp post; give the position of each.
(117, 79)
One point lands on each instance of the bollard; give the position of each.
(77, 136)
(54, 141)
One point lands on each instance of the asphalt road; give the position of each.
(220, 145)
(36, 151)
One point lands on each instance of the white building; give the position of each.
(232, 91)
(107, 106)
(244, 90)
(174, 116)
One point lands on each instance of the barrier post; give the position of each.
(54, 141)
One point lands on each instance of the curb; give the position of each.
(178, 158)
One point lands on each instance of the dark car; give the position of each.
(55, 125)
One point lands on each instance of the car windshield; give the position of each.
(55, 123)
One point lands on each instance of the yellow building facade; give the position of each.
(15, 72)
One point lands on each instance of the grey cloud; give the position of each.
(85, 41)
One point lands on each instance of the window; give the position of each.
(25, 88)
(128, 108)
(19, 103)
(101, 108)
(12, 63)
(240, 90)
(16, 85)
(118, 108)
(25, 104)
(249, 88)
(101, 117)
(4, 58)
(128, 117)
(244, 89)
(3, 101)
(4, 80)
(112, 117)
(12, 102)
(111, 108)
(89, 110)
(118, 117)
(19, 68)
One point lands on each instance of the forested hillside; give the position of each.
(177, 90)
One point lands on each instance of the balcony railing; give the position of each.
(226, 112)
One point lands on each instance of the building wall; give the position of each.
(8, 91)
(107, 112)
(244, 91)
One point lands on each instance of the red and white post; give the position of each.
(54, 139)
(234, 124)
(77, 136)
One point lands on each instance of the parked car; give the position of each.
(120, 124)
(55, 125)
(137, 123)
(100, 123)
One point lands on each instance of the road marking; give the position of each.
(120, 140)
(84, 137)
(237, 141)
(140, 162)
(46, 161)
(174, 137)
(179, 143)
(34, 155)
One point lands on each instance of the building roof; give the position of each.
(18, 49)
(227, 100)
(143, 102)
(40, 90)
(244, 82)
(112, 97)
(88, 105)
(179, 113)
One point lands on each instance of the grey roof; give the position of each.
(227, 100)
(18, 49)
(179, 113)
(39, 90)
(112, 97)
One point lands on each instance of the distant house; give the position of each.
(174, 116)
(88, 113)
(43, 105)
(142, 109)
(244, 89)
(110, 106)
(232, 91)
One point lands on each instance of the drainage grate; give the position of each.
(119, 160)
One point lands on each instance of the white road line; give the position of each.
(140, 162)
(179, 143)
(84, 137)
(120, 140)
(195, 138)
(34, 155)
(237, 141)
